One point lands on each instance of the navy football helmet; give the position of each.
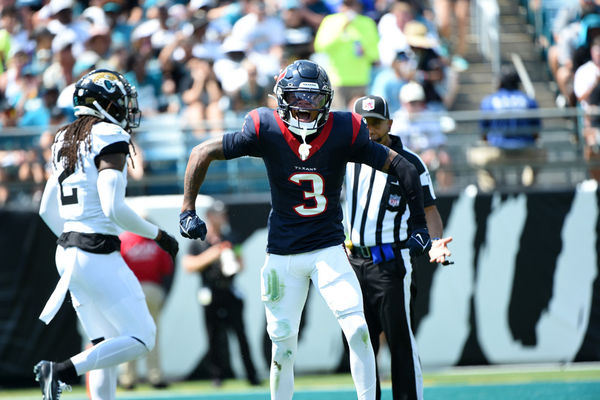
(304, 96)
(107, 95)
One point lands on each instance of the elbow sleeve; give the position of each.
(111, 190)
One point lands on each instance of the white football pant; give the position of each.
(284, 287)
(110, 304)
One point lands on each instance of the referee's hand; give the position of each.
(439, 251)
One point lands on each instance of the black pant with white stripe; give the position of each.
(386, 295)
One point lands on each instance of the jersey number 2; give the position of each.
(316, 194)
(70, 199)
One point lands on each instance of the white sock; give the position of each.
(282, 368)
(362, 358)
(102, 383)
(108, 353)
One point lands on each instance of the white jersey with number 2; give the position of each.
(79, 203)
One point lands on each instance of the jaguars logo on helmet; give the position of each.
(107, 95)
(304, 96)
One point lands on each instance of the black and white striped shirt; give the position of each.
(376, 213)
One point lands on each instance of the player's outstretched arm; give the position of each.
(195, 172)
(111, 191)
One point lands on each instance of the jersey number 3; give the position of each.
(70, 199)
(316, 194)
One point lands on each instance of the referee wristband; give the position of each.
(435, 238)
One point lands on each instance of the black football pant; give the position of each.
(386, 311)
(225, 313)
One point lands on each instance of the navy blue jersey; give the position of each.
(305, 213)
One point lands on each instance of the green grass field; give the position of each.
(531, 382)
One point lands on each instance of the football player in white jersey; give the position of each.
(83, 204)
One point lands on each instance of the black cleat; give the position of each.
(45, 374)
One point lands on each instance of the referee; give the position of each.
(378, 222)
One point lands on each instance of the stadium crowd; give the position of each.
(205, 63)
(202, 61)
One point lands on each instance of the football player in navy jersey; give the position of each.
(83, 204)
(305, 148)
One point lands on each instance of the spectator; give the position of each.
(507, 140)
(60, 71)
(99, 41)
(42, 55)
(587, 76)
(226, 15)
(587, 90)
(12, 80)
(28, 84)
(37, 110)
(303, 14)
(457, 45)
(120, 28)
(252, 94)
(154, 269)
(427, 65)
(264, 36)
(202, 98)
(228, 69)
(391, 31)
(86, 62)
(167, 27)
(349, 39)
(301, 24)
(390, 81)
(59, 19)
(147, 79)
(8, 26)
(423, 131)
(20, 22)
(223, 307)
(95, 16)
(566, 32)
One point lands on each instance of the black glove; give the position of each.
(168, 243)
(191, 226)
(419, 242)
